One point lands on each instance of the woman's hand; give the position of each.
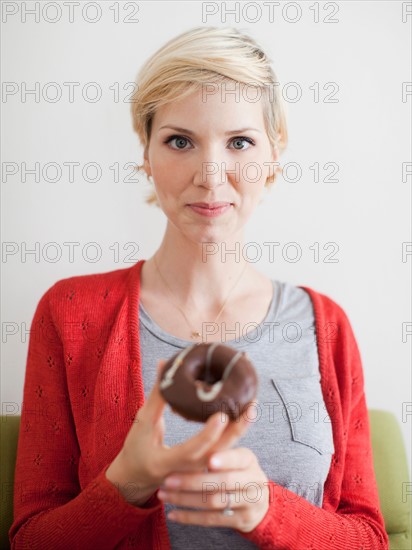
(144, 461)
(237, 472)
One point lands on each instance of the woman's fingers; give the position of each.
(237, 462)
(218, 434)
(231, 459)
(210, 499)
(196, 449)
(210, 492)
(235, 430)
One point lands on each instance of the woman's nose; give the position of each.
(211, 171)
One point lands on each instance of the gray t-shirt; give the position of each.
(291, 434)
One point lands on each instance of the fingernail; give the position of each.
(172, 482)
(222, 418)
(216, 461)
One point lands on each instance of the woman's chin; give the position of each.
(212, 235)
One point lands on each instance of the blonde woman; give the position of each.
(102, 462)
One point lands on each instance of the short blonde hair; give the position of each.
(200, 56)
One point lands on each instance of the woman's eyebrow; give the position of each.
(186, 131)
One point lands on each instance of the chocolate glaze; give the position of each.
(206, 378)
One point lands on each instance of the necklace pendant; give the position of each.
(196, 334)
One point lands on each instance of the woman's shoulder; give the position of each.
(323, 302)
(88, 290)
(332, 321)
(325, 308)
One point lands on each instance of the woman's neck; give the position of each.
(198, 275)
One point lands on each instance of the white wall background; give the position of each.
(366, 133)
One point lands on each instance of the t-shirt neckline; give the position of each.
(243, 341)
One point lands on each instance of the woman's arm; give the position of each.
(292, 522)
(50, 509)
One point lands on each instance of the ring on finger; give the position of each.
(227, 511)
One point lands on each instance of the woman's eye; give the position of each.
(239, 142)
(180, 142)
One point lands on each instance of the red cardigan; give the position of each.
(83, 386)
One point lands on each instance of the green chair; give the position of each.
(392, 477)
(9, 434)
(389, 456)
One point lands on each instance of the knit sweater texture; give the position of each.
(82, 389)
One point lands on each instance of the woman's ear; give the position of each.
(146, 163)
(274, 168)
(275, 153)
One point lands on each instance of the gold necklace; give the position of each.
(196, 333)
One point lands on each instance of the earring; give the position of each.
(150, 179)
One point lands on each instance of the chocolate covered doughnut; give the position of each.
(205, 378)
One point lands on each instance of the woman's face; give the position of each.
(206, 150)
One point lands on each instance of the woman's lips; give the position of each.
(211, 210)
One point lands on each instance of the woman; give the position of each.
(93, 472)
